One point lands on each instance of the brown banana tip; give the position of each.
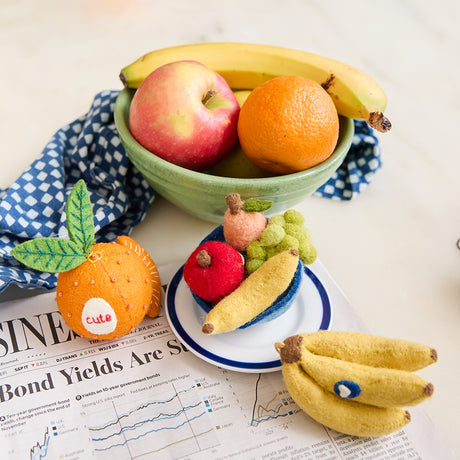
(291, 351)
(279, 346)
(434, 355)
(294, 252)
(408, 416)
(429, 389)
(207, 328)
(379, 122)
(123, 79)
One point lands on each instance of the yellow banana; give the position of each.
(241, 95)
(377, 386)
(354, 382)
(372, 350)
(254, 295)
(342, 415)
(245, 66)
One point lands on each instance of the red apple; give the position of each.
(186, 114)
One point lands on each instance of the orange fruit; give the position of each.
(288, 124)
(109, 294)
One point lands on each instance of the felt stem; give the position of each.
(203, 258)
(234, 203)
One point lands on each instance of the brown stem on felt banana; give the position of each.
(429, 389)
(207, 328)
(203, 258)
(289, 350)
(234, 203)
(379, 121)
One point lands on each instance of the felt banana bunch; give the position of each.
(355, 383)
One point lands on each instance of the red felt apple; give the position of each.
(186, 114)
(213, 270)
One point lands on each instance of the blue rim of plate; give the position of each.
(216, 359)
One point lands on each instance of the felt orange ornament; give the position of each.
(104, 290)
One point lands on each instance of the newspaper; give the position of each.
(146, 396)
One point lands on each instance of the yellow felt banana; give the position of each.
(342, 415)
(369, 349)
(353, 382)
(245, 66)
(254, 295)
(376, 386)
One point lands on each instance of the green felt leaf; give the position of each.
(53, 255)
(257, 205)
(79, 213)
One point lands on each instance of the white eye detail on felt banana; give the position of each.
(347, 389)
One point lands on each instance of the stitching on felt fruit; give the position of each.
(95, 256)
(113, 279)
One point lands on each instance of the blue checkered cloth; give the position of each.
(358, 169)
(89, 148)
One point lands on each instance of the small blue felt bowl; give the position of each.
(279, 306)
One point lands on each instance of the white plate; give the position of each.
(250, 349)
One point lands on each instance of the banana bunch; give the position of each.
(355, 383)
(245, 66)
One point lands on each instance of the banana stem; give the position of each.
(379, 121)
(123, 79)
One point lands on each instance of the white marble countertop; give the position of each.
(393, 250)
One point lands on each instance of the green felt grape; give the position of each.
(272, 235)
(288, 242)
(253, 264)
(277, 219)
(297, 231)
(294, 217)
(311, 256)
(307, 252)
(271, 251)
(255, 250)
(283, 232)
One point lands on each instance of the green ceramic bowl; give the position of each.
(203, 195)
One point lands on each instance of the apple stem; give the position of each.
(234, 203)
(203, 258)
(211, 93)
